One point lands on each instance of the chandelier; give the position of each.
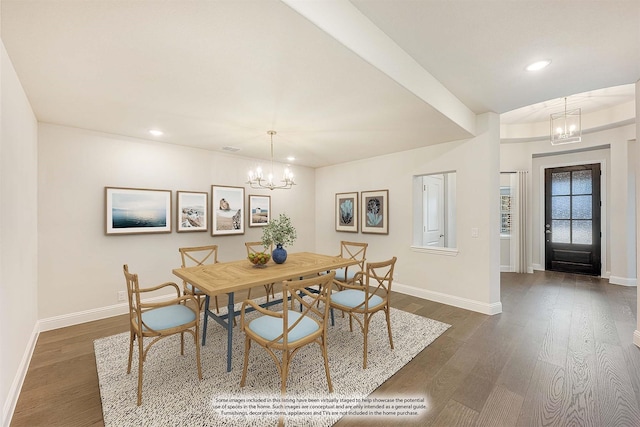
(257, 179)
(566, 127)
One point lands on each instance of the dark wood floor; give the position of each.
(560, 354)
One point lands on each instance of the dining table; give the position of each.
(230, 277)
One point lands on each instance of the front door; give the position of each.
(572, 219)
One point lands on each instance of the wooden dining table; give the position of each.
(230, 277)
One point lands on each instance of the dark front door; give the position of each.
(572, 219)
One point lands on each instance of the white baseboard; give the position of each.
(636, 338)
(57, 322)
(538, 267)
(85, 316)
(16, 386)
(465, 303)
(624, 281)
(71, 319)
(508, 269)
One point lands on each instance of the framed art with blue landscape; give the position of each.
(259, 210)
(347, 212)
(192, 211)
(137, 211)
(375, 212)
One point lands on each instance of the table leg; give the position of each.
(230, 318)
(206, 318)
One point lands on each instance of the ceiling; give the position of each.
(338, 80)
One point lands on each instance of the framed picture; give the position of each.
(375, 212)
(192, 213)
(227, 210)
(137, 211)
(259, 210)
(347, 212)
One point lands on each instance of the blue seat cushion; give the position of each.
(353, 298)
(167, 317)
(270, 328)
(193, 290)
(340, 274)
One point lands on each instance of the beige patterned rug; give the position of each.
(173, 396)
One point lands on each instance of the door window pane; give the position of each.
(581, 183)
(581, 232)
(581, 208)
(560, 207)
(560, 183)
(560, 231)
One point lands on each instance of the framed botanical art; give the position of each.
(227, 210)
(374, 207)
(192, 213)
(137, 211)
(347, 212)
(259, 210)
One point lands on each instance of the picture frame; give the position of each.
(347, 212)
(192, 211)
(137, 211)
(227, 210)
(374, 208)
(259, 210)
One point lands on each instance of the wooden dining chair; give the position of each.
(194, 256)
(159, 320)
(253, 248)
(351, 250)
(368, 293)
(289, 330)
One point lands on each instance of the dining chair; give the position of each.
(355, 251)
(253, 248)
(289, 330)
(194, 256)
(159, 320)
(369, 293)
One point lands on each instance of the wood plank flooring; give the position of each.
(560, 354)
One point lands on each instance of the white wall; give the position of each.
(80, 268)
(636, 162)
(18, 234)
(617, 206)
(471, 278)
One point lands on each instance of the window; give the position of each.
(434, 210)
(505, 211)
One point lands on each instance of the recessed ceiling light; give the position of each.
(291, 158)
(538, 65)
(156, 132)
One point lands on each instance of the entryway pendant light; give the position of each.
(566, 127)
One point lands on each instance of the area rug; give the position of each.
(172, 395)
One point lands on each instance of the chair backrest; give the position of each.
(354, 250)
(378, 278)
(133, 293)
(199, 255)
(297, 290)
(254, 247)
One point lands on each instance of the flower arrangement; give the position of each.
(279, 231)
